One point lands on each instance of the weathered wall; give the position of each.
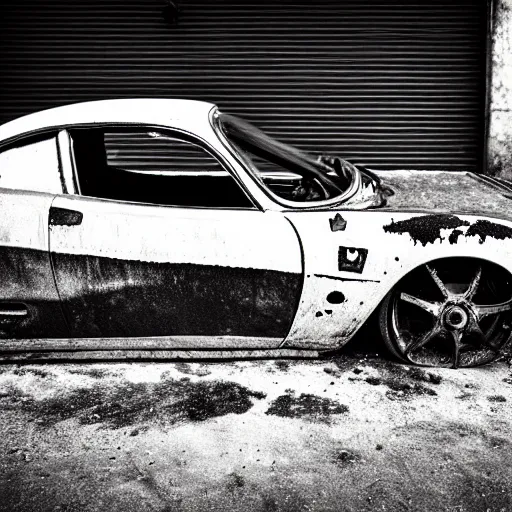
(500, 128)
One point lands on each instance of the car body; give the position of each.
(115, 238)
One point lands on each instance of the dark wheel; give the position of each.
(451, 312)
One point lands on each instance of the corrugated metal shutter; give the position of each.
(384, 83)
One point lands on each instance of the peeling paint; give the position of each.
(338, 223)
(454, 236)
(427, 228)
(352, 259)
(485, 228)
(335, 298)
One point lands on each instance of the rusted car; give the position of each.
(166, 228)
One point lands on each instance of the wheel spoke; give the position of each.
(426, 338)
(432, 271)
(457, 336)
(473, 285)
(485, 310)
(431, 307)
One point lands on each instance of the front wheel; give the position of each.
(455, 312)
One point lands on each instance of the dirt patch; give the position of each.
(188, 369)
(307, 406)
(167, 402)
(38, 372)
(345, 457)
(235, 481)
(203, 400)
(95, 373)
(282, 365)
(496, 398)
(403, 382)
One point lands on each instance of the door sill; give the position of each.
(49, 355)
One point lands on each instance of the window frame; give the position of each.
(72, 182)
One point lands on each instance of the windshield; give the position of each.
(286, 171)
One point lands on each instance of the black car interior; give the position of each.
(99, 179)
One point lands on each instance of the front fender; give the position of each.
(352, 259)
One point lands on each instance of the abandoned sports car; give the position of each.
(156, 228)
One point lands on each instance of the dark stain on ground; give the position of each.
(282, 365)
(406, 382)
(427, 228)
(345, 457)
(235, 481)
(38, 372)
(485, 228)
(187, 369)
(167, 402)
(496, 398)
(335, 298)
(96, 373)
(403, 382)
(305, 406)
(319, 314)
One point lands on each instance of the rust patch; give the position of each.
(335, 298)
(427, 228)
(352, 259)
(454, 236)
(338, 223)
(485, 228)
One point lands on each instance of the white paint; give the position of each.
(188, 115)
(24, 219)
(138, 232)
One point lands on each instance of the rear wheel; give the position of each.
(451, 312)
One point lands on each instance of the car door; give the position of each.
(29, 302)
(200, 276)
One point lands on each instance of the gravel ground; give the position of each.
(343, 434)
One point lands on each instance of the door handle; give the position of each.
(65, 217)
(13, 309)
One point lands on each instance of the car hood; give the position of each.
(446, 192)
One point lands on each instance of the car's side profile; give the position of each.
(156, 225)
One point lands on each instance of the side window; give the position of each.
(31, 165)
(152, 167)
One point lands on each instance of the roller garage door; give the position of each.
(385, 83)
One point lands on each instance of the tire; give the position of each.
(454, 312)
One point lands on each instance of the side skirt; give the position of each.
(142, 343)
(154, 355)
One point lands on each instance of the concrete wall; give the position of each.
(500, 108)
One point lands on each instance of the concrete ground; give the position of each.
(350, 433)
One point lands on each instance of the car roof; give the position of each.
(188, 115)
